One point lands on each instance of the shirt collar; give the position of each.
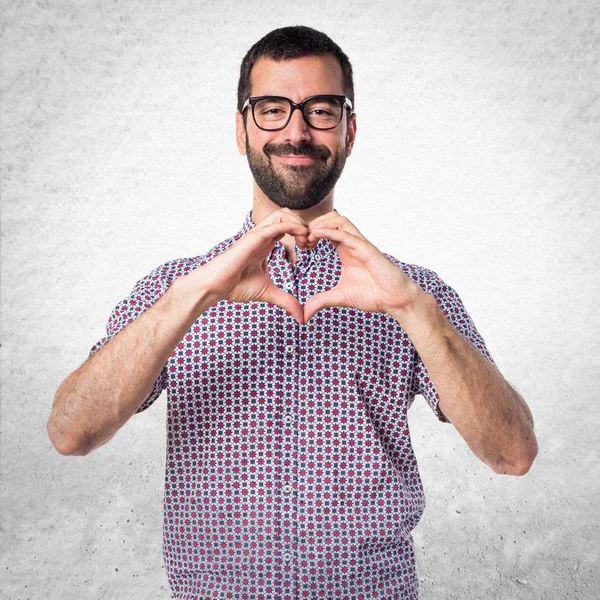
(321, 250)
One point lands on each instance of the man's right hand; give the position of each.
(94, 401)
(241, 274)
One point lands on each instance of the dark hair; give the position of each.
(292, 42)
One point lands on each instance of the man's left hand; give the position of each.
(369, 281)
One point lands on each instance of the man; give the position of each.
(291, 353)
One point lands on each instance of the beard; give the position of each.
(296, 186)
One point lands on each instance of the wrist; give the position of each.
(417, 314)
(193, 295)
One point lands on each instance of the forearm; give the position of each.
(100, 396)
(491, 417)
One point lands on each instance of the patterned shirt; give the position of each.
(290, 472)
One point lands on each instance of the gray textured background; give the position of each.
(476, 156)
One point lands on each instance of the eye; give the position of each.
(271, 111)
(321, 111)
(323, 108)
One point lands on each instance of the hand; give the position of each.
(369, 281)
(241, 273)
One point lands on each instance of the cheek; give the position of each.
(340, 148)
(258, 140)
(338, 141)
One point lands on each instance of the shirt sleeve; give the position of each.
(455, 311)
(144, 294)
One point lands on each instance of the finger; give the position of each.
(338, 235)
(312, 241)
(333, 219)
(323, 219)
(289, 303)
(277, 230)
(314, 304)
(285, 215)
(288, 211)
(257, 242)
(301, 240)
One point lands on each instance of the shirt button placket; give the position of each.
(289, 525)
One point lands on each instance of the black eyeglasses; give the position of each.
(272, 113)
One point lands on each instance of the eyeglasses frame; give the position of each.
(344, 101)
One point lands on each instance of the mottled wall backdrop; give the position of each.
(477, 156)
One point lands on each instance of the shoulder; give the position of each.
(166, 273)
(449, 301)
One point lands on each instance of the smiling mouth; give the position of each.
(296, 159)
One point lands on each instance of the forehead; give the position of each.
(297, 78)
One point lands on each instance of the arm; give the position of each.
(492, 418)
(488, 413)
(97, 399)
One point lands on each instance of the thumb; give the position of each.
(322, 300)
(288, 302)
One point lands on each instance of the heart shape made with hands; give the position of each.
(369, 281)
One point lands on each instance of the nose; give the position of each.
(297, 130)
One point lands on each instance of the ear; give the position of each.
(351, 134)
(240, 132)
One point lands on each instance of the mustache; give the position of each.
(304, 149)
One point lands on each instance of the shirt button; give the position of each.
(288, 286)
(289, 348)
(287, 488)
(287, 557)
(287, 419)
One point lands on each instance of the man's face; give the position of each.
(298, 166)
